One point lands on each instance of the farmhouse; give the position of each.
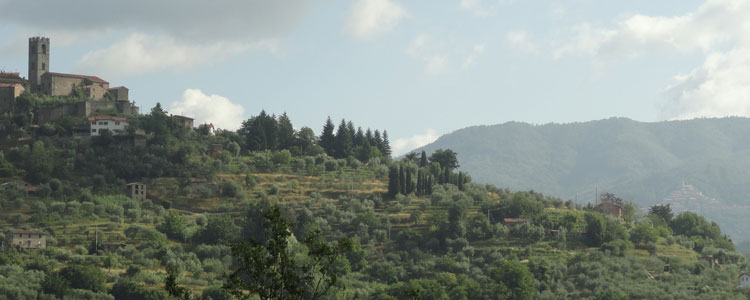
(27, 239)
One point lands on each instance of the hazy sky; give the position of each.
(416, 68)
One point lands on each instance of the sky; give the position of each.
(418, 69)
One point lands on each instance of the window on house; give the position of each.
(93, 123)
(117, 122)
(93, 130)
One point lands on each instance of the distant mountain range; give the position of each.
(638, 161)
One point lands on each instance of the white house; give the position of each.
(115, 125)
(744, 280)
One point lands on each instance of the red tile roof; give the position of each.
(95, 118)
(92, 78)
(11, 75)
(9, 84)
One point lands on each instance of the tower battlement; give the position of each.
(38, 39)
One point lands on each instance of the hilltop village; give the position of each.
(101, 201)
(68, 96)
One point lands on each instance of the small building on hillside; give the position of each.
(609, 204)
(115, 125)
(610, 208)
(744, 280)
(183, 121)
(136, 190)
(26, 239)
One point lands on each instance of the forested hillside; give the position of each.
(641, 162)
(270, 212)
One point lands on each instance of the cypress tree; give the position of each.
(409, 184)
(419, 182)
(377, 141)
(423, 159)
(430, 183)
(327, 140)
(402, 180)
(460, 181)
(393, 182)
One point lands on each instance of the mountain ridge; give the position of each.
(641, 162)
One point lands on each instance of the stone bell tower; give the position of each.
(38, 61)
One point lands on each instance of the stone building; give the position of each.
(119, 93)
(27, 239)
(183, 121)
(8, 94)
(41, 80)
(60, 84)
(136, 190)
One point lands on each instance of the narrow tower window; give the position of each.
(44, 49)
(44, 66)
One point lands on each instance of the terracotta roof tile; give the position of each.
(92, 78)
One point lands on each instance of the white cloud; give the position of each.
(209, 109)
(713, 24)
(720, 87)
(139, 54)
(368, 18)
(403, 145)
(717, 28)
(475, 53)
(521, 41)
(423, 48)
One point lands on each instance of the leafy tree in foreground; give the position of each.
(271, 271)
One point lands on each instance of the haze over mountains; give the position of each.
(638, 161)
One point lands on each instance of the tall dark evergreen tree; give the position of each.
(401, 180)
(409, 184)
(327, 139)
(423, 159)
(286, 132)
(352, 131)
(386, 147)
(460, 181)
(343, 143)
(393, 182)
(260, 132)
(359, 137)
(420, 183)
(377, 141)
(369, 137)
